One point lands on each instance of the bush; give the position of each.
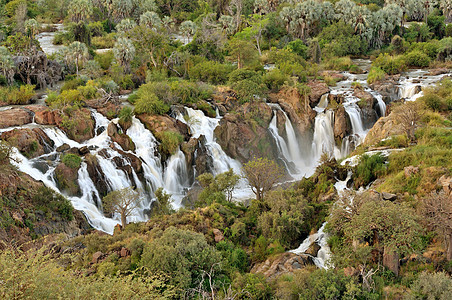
(211, 72)
(367, 169)
(339, 63)
(169, 141)
(417, 59)
(17, 96)
(298, 47)
(375, 74)
(72, 161)
(274, 79)
(125, 117)
(47, 199)
(249, 90)
(390, 64)
(67, 97)
(104, 59)
(242, 74)
(149, 103)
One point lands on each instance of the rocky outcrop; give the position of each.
(96, 174)
(30, 142)
(195, 152)
(382, 129)
(15, 117)
(67, 179)
(282, 264)
(244, 134)
(368, 105)
(342, 124)
(387, 88)
(122, 139)
(158, 124)
(109, 109)
(318, 89)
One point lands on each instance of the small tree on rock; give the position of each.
(262, 175)
(123, 202)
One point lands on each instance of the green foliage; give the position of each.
(47, 199)
(17, 95)
(431, 286)
(275, 79)
(249, 90)
(125, 117)
(211, 71)
(439, 98)
(218, 187)
(339, 63)
(375, 74)
(72, 161)
(162, 206)
(368, 169)
(390, 64)
(339, 39)
(169, 141)
(183, 255)
(298, 47)
(149, 103)
(104, 59)
(417, 59)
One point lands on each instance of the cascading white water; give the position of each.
(323, 140)
(280, 143)
(324, 253)
(199, 125)
(176, 175)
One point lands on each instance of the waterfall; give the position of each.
(290, 149)
(176, 175)
(323, 140)
(381, 103)
(324, 253)
(202, 125)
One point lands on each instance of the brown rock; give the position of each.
(382, 129)
(410, 170)
(30, 142)
(97, 257)
(350, 271)
(440, 71)
(47, 117)
(157, 124)
(218, 235)
(282, 264)
(313, 249)
(388, 196)
(67, 179)
(14, 117)
(124, 252)
(446, 183)
(318, 88)
(342, 124)
(122, 139)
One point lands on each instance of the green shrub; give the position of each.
(242, 74)
(211, 72)
(149, 103)
(72, 161)
(298, 47)
(67, 97)
(47, 199)
(17, 96)
(417, 59)
(249, 90)
(433, 101)
(72, 84)
(339, 63)
(375, 74)
(104, 59)
(390, 64)
(125, 115)
(169, 141)
(367, 169)
(274, 79)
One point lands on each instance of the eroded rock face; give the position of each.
(67, 179)
(342, 124)
(157, 124)
(30, 142)
(368, 105)
(245, 134)
(15, 117)
(96, 174)
(282, 264)
(318, 88)
(387, 88)
(122, 139)
(195, 152)
(383, 128)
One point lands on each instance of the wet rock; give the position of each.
(67, 179)
(388, 88)
(439, 71)
(63, 148)
(122, 139)
(83, 150)
(192, 195)
(109, 109)
(313, 249)
(158, 124)
(388, 196)
(96, 174)
(282, 264)
(14, 117)
(318, 88)
(30, 142)
(342, 124)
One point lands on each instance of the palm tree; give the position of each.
(344, 11)
(121, 9)
(150, 19)
(32, 28)
(167, 24)
(125, 25)
(80, 10)
(124, 52)
(446, 6)
(188, 29)
(77, 52)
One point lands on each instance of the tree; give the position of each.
(78, 53)
(151, 19)
(149, 43)
(162, 204)
(254, 31)
(168, 24)
(80, 10)
(437, 208)
(126, 25)
(31, 28)
(222, 183)
(123, 202)
(188, 29)
(121, 9)
(409, 116)
(446, 6)
(243, 52)
(7, 65)
(124, 52)
(262, 174)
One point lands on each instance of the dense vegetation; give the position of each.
(166, 53)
